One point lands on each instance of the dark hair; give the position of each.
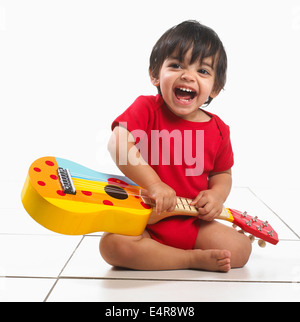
(191, 34)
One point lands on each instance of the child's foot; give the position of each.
(211, 260)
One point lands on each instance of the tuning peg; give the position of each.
(261, 243)
(259, 228)
(241, 231)
(234, 226)
(249, 223)
(265, 223)
(252, 238)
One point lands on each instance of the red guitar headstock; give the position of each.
(255, 226)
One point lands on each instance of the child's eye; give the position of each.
(203, 71)
(176, 66)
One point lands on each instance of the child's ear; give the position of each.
(154, 80)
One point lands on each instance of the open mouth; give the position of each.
(184, 94)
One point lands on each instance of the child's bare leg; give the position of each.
(215, 235)
(144, 253)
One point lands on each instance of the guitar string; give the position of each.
(111, 187)
(97, 183)
(97, 178)
(104, 187)
(117, 191)
(99, 186)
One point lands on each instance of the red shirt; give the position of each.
(188, 152)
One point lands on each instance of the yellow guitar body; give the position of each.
(91, 209)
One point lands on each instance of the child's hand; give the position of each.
(209, 205)
(164, 196)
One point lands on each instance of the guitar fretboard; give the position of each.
(183, 205)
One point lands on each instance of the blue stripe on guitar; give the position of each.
(81, 172)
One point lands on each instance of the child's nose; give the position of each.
(187, 76)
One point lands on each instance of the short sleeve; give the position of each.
(224, 158)
(137, 116)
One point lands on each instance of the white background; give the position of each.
(68, 68)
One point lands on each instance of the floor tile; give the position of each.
(24, 289)
(17, 221)
(170, 291)
(273, 263)
(42, 256)
(10, 192)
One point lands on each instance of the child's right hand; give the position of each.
(164, 196)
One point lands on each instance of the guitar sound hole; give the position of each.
(116, 192)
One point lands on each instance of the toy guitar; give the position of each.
(71, 199)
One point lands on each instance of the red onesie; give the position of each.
(183, 153)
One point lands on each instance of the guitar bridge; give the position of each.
(66, 181)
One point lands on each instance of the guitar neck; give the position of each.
(183, 208)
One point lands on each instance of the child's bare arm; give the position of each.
(210, 202)
(129, 160)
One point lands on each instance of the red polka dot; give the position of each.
(145, 205)
(107, 203)
(37, 169)
(41, 183)
(54, 177)
(117, 182)
(61, 193)
(87, 193)
(49, 163)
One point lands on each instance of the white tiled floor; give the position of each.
(38, 265)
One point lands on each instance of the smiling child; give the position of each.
(192, 157)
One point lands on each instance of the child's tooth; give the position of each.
(185, 89)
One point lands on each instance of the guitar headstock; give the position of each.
(255, 226)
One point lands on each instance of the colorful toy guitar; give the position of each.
(70, 199)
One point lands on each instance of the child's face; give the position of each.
(185, 87)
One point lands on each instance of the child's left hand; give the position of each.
(209, 204)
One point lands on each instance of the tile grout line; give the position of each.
(58, 277)
(274, 213)
(178, 280)
(154, 279)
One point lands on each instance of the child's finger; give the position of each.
(209, 214)
(172, 206)
(202, 212)
(201, 202)
(193, 203)
(209, 217)
(158, 205)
